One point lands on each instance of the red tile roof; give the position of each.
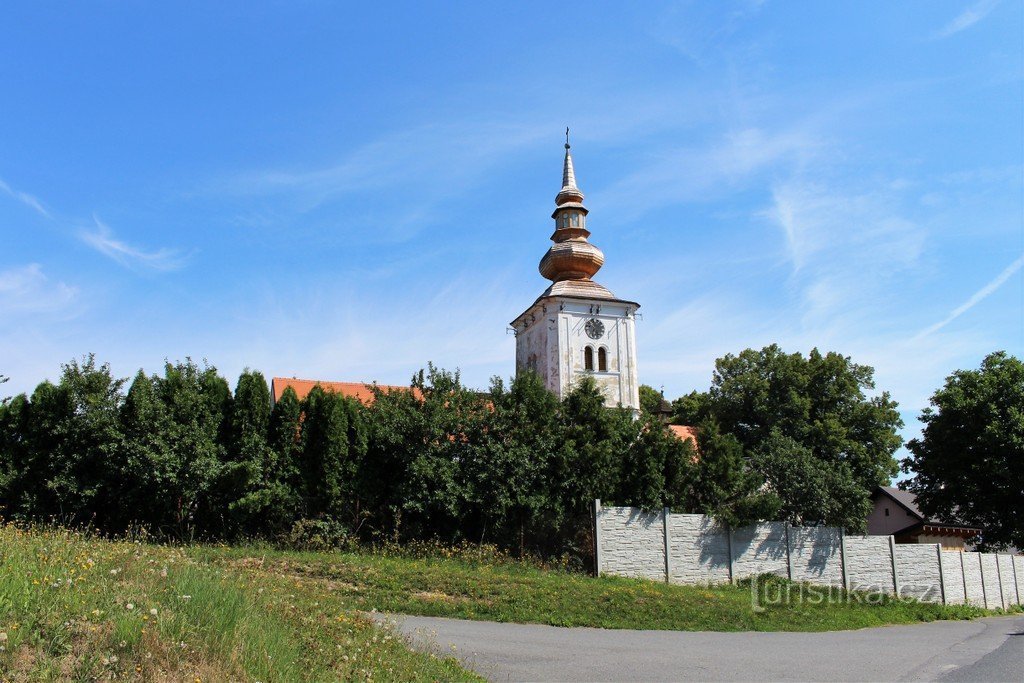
(357, 390)
(684, 432)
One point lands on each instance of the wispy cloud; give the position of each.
(26, 289)
(103, 240)
(976, 298)
(25, 198)
(969, 17)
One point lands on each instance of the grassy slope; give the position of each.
(507, 591)
(73, 608)
(78, 608)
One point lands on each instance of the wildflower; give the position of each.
(115, 572)
(3, 637)
(153, 611)
(129, 606)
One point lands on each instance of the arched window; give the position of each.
(602, 360)
(588, 358)
(575, 220)
(565, 220)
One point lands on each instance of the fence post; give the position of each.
(999, 582)
(963, 574)
(981, 568)
(942, 576)
(1016, 585)
(895, 575)
(842, 557)
(732, 572)
(597, 537)
(789, 556)
(664, 523)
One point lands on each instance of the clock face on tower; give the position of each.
(594, 328)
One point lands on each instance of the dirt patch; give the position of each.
(433, 596)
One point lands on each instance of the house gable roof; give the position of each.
(361, 391)
(908, 501)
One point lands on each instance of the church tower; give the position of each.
(577, 327)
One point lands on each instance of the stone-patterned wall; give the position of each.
(632, 543)
(869, 563)
(1006, 579)
(1018, 569)
(953, 577)
(990, 577)
(972, 579)
(760, 549)
(816, 554)
(698, 550)
(917, 572)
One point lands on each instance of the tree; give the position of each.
(810, 490)
(197, 402)
(145, 464)
(968, 465)
(724, 484)
(258, 500)
(657, 467)
(811, 407)
(650, 400)
(72, 433)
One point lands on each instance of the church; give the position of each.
(575, 328)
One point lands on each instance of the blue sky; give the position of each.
(348, 192)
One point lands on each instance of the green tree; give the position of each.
(259, 501)
(810, 490)
(506, 474)
(72, 433)
(650, 400)
(657, 467)
(968, 465)
(724, 485)
(285, 439)
(326, 467)
(691, 409)
(819, 403)
(14, 455)
(197, 404)
(145, 464)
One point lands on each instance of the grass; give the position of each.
(501, 590)
(79, 608)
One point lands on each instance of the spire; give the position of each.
(568, 174)
(572, 261)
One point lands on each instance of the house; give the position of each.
(895, 513)
(357, 390)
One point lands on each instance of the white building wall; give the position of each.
(554, 333)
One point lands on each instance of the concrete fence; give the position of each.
(694, 549)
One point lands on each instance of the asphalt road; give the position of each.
(990, 649)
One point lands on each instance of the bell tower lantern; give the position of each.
(576, 327)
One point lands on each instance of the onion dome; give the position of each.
(572, 259)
